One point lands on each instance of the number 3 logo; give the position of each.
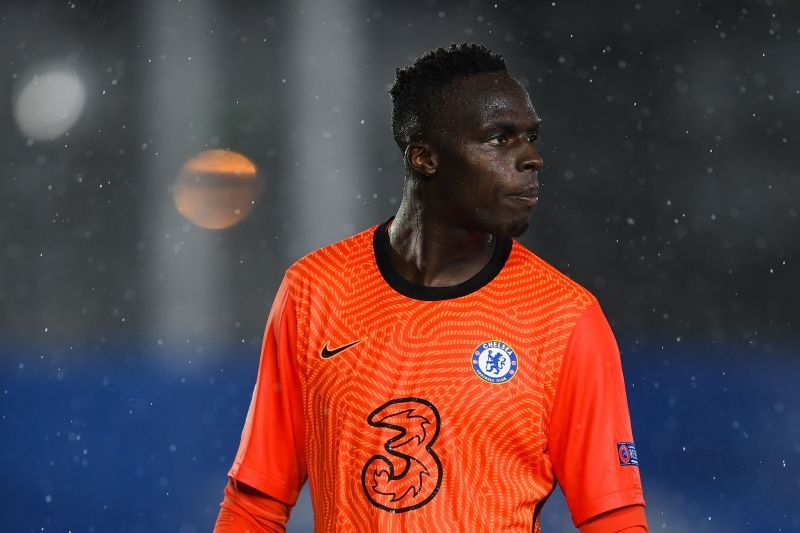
(410, 473)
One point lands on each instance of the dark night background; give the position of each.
(130, 336)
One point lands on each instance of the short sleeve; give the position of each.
(271, 456)
(590, 442)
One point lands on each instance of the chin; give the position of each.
(511, 228)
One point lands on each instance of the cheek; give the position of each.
(478, 180)
(486, 171)
(494, 178)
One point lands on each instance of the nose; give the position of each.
(529, 159)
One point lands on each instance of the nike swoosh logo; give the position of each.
(326, 353)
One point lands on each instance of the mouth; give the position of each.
(528, 196)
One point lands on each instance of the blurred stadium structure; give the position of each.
(130, 334)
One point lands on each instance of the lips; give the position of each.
(527, 196)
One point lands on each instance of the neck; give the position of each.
(428, 249)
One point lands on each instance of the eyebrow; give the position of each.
(506, 125)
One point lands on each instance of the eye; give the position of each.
(533, 136)
(498, 139)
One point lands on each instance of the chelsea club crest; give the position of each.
(494, 361)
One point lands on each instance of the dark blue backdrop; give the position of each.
(126, 441)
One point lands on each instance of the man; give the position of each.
(431, 373)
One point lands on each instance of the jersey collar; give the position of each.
(380, 242)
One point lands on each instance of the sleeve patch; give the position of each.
(626, 451)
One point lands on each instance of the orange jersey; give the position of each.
(413, 408)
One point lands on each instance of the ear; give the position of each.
(422, 159)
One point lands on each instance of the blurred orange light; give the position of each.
(217, 189)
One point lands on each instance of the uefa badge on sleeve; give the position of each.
(626, 451)
(494, 361)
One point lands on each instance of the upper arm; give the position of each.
(589, 432)
(271, 455)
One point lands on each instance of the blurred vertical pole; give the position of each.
(182, 275)
(324, 90)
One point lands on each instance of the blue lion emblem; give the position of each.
(496, 362)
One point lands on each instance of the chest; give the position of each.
(467, 361)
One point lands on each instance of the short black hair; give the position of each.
(416, 87)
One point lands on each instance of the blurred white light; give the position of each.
(49, 103)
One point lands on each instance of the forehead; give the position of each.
(479, 100)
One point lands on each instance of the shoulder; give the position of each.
(334, 260)
(547, 282)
